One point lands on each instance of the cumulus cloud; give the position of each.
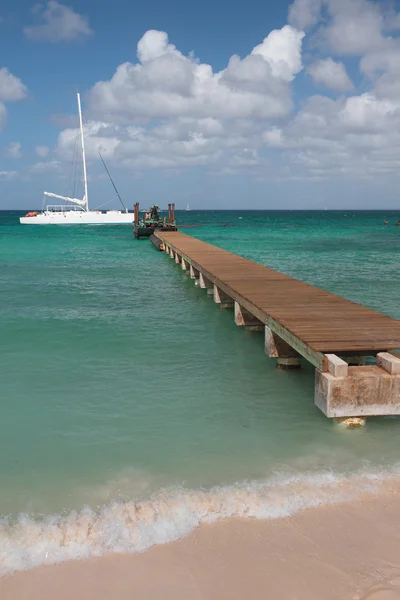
(154, 44)
(368, 114)
(281, 49)
(59, 23)
(183, 142)
(360, 28)
(331, 75)
(171, 111)
(305, 13)
(384, 59)
(42, 151)
(165, 83)
(13, 150)
(11, 87)
(11, 90)
(344, 27)
(355, 27)
(357, 136)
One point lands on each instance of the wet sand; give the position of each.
(347, 551)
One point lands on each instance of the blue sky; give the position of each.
(219, 104)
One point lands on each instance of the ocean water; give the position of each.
(133, 409)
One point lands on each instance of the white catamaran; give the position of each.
(76, 211)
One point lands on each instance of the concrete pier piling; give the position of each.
(359, 391)
(244, 318)
(300, 321)
(222, 299)
(194, 274)
(206, 284)
(275, 347)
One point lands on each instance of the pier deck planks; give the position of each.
(322, 322)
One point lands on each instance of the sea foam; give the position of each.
(136, 526)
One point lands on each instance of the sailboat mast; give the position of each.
(83, 153)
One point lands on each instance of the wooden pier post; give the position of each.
(136, 213)
(184, 264)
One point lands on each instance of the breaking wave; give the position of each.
(136, 526)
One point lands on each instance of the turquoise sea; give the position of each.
(132, 408)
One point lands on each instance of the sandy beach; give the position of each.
(348, 551)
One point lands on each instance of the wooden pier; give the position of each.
(300, 320)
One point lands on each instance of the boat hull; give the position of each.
(79, 218)
(145, 232)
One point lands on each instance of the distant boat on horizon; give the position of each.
(187, 208)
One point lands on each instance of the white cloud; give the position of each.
(354, 137)
(355, 27)
(391, 18)
(172, 112)
(345, 27)
(281, 49)
(42, 151)
(273, 137)
(167, 84)
(385, 59)
(366, 113)
(11, 87)
(154, 44)
(11, 90)
(60, 23)
(13, 150)
(358, 136)
(305, 13)
(3, 115)
(184, 142)
(331, 75)
(8, 175)
(46, 166)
